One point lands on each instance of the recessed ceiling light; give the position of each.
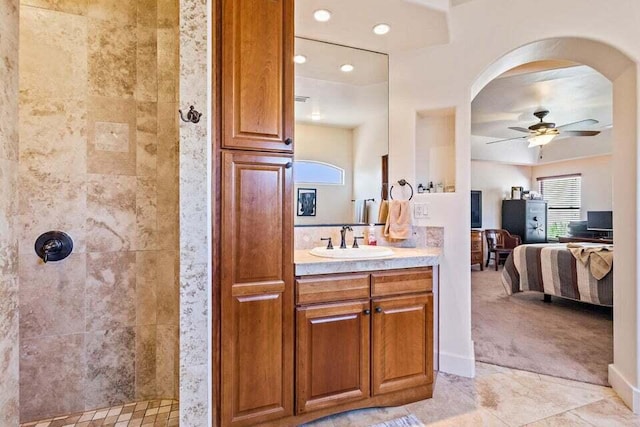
(346, 68)
(315, 117)
(381, 29)
(322, 15)
(299, 59)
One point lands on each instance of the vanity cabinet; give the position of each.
(402, 344)
(332, 354)
(363, 340)
(257, 75)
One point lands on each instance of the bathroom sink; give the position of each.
(362, 252)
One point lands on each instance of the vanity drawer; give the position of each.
(335, 287)
(402, 282)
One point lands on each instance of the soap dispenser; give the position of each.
(371, 238)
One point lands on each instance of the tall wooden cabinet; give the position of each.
(254, 218)
(256, 294)
(257, 75)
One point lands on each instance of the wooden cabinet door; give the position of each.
(332, 354)
(257, 75)
(256, 288)
(402, 348)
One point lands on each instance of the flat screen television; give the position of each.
(476, 209)
(600, 220)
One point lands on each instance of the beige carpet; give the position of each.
(565, 338)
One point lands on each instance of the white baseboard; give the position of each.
(456, 364)
(627, 392)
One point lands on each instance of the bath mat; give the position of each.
(408, 421)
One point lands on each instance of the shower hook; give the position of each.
(192, 116)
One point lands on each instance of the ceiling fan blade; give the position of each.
(519, 129)
(580, 132)
(580, 122)
(508, 139)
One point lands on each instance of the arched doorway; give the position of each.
(623, 74)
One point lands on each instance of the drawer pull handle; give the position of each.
(378, 309)
(367, 312)
(288, 141)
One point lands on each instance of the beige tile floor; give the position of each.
(503, 397)
(156, 413)
(496, 397)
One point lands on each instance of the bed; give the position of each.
(553, 270)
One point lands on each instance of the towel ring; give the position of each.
(402, 183)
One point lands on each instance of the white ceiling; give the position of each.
(324, 61)
(414, 23)
(570, 94)
(340, 99)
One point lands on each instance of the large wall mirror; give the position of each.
(342, 133)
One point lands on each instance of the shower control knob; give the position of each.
(53, 246)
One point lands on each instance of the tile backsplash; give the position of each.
(309, 237)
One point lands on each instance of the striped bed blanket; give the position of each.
(552, 269)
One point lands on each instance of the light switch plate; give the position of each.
(420, 211)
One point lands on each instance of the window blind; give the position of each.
(563, 197)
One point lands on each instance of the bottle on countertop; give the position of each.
(371, 238)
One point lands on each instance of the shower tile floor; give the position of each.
(163, 413)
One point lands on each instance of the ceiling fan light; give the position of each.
(543, 139)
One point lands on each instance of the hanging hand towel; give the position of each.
(358, 211)
(383, 213)
(398, 225)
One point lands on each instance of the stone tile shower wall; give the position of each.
(8, 211)
(98, 159)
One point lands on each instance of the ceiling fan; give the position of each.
(543, 132)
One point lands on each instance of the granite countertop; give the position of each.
(307, 264)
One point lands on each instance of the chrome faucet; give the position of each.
(343, 233)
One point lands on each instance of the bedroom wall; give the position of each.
(597, 180)
(495, 181)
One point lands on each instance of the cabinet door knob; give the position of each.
(378, 309)
(289, 165)
(367, 312)
(288, 141)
